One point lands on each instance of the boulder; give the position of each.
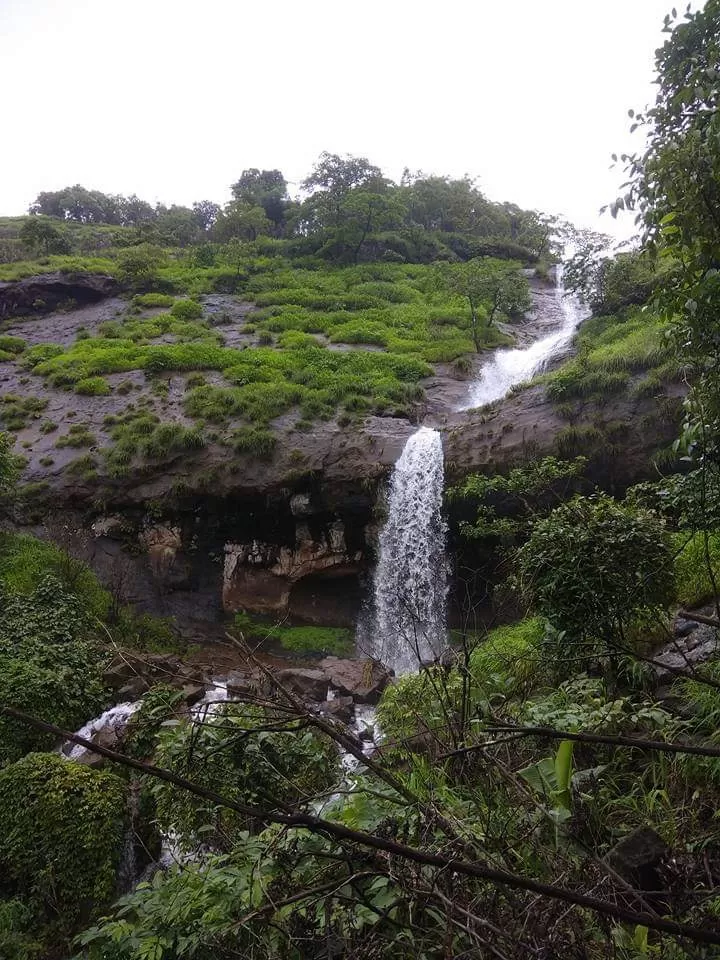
(192, 693)
(239, 685)
(133, 689)
(42, 293)
(308, 684)
(639, 857)
(341, 708)
(122, 668)
(363, 680)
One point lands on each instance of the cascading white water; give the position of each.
(510, 367)
(116, 719)
(410, 587)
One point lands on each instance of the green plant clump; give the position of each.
(61, 827)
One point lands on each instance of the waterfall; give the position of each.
(507, 368)
(107, 728)
(410, 585)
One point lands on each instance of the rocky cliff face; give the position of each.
(210, 531)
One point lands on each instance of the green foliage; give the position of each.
(320, 640)
(77, 436)
(697, 567)
(139, 267)
(93, 387)
(491, 287)
(505, 507)
(60, 831)
(41, 234)
(595, 566)
(510, 658)
(16, 411)
(267, 759)
(18, 932)
(187, 310)
(49, 666)
(609, 350)
(254, 440)
(506, 662)
(24, 560)
(152, 300)
(12, 345)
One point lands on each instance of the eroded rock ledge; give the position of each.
(44, 293)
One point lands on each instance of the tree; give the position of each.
(80, 205)
(266, 189)
(675, 188)
(491, 287)
(331, 180)
(177, 226)
(206, 213)
(60, 835)
(593, 568)
(40, 233)
(242, 221)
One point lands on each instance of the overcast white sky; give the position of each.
(172, 99)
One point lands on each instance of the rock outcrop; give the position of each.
(44, 293)
(259, 576)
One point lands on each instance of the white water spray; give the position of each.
(409, 624)
(510, 367)
(116, 719)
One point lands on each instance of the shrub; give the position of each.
(93, 387)
(693, 575)
(151, 300)
(12, 345)
(595, 567)
(78, 436)
(276, 766)
(187, 310)
(25, 560)
(61, 826)
(253, 440)
(139, 267)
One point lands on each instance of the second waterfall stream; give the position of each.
(408, 625)
(411, 581)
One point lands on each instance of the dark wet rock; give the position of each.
(683, 628)
(192, 693)
(46, 292)
(239, 685)
(639, 858)
(307, 684)
(121, 669)
(341, 708)
(133, 689)
(683, 653)
(363, 680)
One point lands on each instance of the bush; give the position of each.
(12, 345)
(187, 310)
(93, 387)
(25, 560)
(253, 440)
(150, 300)
(61, 827)
(139, 267)
(595, 567)
(693, 580)
(278, 765)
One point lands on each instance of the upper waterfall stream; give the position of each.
(507, 368)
